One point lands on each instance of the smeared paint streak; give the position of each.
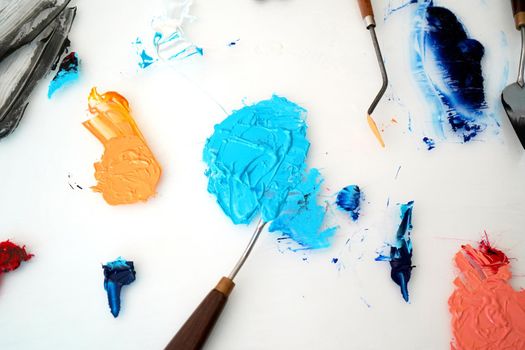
(256, 160)
(397, 172)
(117, 274)
(431, 144)
(21, 71)
(233, 43)
(349, 200)
(11, 256)
(447, 65)
(128, 171)
(373, 126)
(301, 217)
(67, 74)
(168, 42)
(487, 313)
(400, 256)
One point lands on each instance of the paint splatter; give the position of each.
(168, 42)
(349, 200)
(11, 256)
(400, 256)
(396, 5)
(487, 313)
(117, 274)
(67, 74)
(256, 159)
(128, 171)
(233, 43)
(447, 66)
(301, 218)
(431, 144)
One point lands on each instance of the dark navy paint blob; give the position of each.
(431, 144)
(349, 200)
(67, 73)
(450, 61)
(117, 274)
(400, 256)
(335, 260)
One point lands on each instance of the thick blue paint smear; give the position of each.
(302, 217)
(117, 274)
(67, 73)
(256, 165)
(447, 66)
(349, 200)
(431, 144)
(400, 257)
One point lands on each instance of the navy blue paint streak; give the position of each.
(117, 274)
(459, 58)
(429, 142)
(349, 199)
(401, 252)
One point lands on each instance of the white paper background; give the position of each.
(318, 54)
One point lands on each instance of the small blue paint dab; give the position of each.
(349, 200)
(429, 142)
(335, 260)
(233, 43)
(117, 274)
(67, 74)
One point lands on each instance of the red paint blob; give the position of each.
(11, 256)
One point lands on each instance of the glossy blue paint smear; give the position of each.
(174, 46)
(302, 217)
(255, 157)
(431, 144)
(67, 74)
(145, 58)
(400, 257)
(447, 66)
(349, 200)
(117, 274)
(256, 165)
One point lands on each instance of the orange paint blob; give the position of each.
(128, 172)
(375, 130)
(487, 313)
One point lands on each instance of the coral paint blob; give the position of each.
(128, 171)
(487, 313)
(11, 256)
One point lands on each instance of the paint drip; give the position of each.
(400, 256)
(66, 75)
(447, 66)
(487, 313)
(301, 217)
(256, 159)
(11, 256)
(349, 200)
(23, 68)
(128, 171)
(117, 274)
(168, 41)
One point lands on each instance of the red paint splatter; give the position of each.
(11, 256)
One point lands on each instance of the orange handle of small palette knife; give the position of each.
(518, 10)
(366, 8)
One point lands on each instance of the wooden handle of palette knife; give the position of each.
(518, 10)
(366, 8)
(195, 331)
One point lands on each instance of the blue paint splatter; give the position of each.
(391, 8)
(117, 274)
(67, 74)
(447, 66)
(174, 46)
(400, 257)
(145, 59)
(301, 217)
(335, 260)
(256, 164)
(431, 144)
(349, 200)
(233, 43)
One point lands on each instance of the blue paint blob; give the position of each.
(67, 73)
(117, 274)
(301, 217)
(255, 157)
(335, 260)
(447, 66)
(256, 164)
(431, 144)
(349, 200)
